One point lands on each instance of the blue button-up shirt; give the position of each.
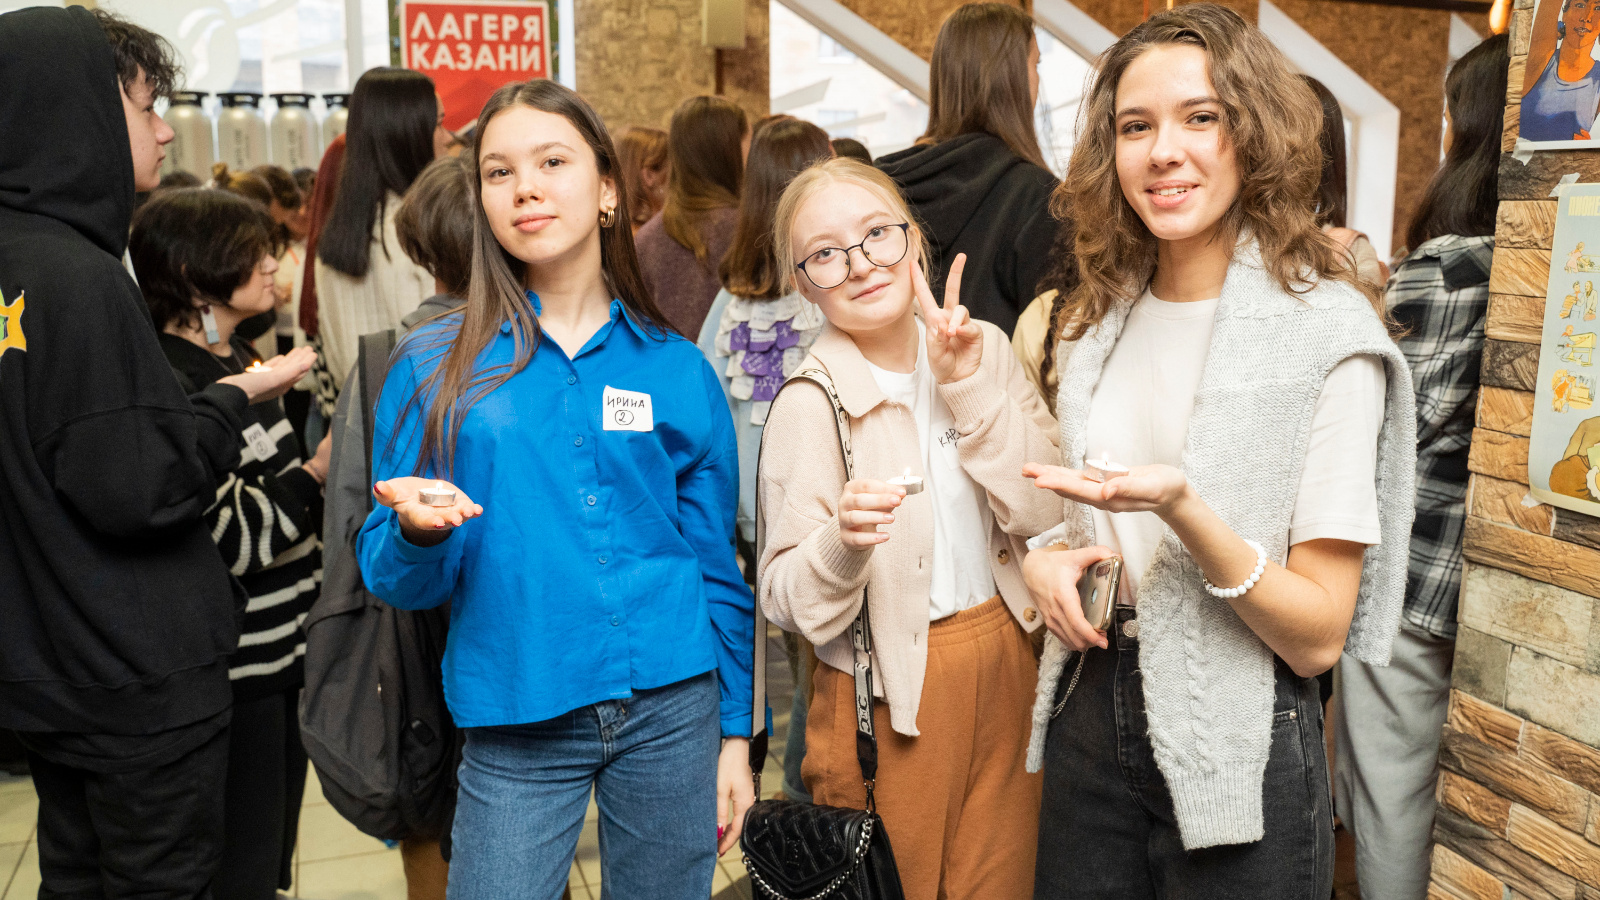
(604, 561)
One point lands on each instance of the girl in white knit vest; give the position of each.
(1220, 346)
(943, 399)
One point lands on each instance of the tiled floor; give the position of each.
(334, 861)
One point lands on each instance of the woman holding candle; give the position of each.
(614, 657)
(1219, 345)
(205, 263)
(949, 613)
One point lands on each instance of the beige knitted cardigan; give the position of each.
(810, 582)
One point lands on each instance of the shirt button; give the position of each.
(577, 442)
(615, 621)
(590, 500)
(1005, 557)
(604, 560)
(572, 379)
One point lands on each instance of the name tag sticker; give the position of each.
(261, 445)
(626, 410)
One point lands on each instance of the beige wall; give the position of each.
(638, 59)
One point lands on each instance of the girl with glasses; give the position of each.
(942, 398)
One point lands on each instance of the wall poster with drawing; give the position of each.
(1564, 450)
(1561, 84)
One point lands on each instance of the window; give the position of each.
(1063, 78)
(838, 122)
(817, 79)
(831, 50)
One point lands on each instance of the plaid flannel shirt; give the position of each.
(1440, 294)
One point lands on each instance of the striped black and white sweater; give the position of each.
(264, 519)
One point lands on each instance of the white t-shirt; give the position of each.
(961, 516)
(1139, 414)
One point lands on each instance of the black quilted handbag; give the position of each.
(801, 851)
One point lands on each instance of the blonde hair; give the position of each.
(1273, 122)
(813, 181)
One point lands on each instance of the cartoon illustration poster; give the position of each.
(1564, 452)
(1561, 81)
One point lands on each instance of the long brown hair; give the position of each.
(496, 295)
(978, 79)
(1333, 190)
(638, 149)
(707, 166)
(1462, 197)
(1273, 122)
(780, 150)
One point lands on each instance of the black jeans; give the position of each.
(1107, 828)
(266, 783)
(152, 834)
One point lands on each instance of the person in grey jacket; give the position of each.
(434, 225)
(1252, 432)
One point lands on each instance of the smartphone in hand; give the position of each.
(1097, 590)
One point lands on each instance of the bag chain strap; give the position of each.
(860, 854)
(1071, 685)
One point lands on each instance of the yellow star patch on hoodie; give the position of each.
(11, 324)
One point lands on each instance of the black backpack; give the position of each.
(373, 715)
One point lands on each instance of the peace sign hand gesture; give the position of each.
(955, 342)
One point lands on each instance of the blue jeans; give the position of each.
(652, 762)
(1107, 830)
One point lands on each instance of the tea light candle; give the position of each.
(257, 366)
(438, 495)
(911, 483)
(1103, 469)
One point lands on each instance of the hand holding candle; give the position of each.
(864, 505)
(911, 484)
(1103, 469)
(273, 378)
(1112, 487)
(427, 508)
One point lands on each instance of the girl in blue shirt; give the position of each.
(600, 633)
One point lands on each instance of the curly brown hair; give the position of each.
(1273, 122)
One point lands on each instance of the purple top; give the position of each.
(682, 287)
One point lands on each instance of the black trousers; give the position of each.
(1107, 827)
(151, 834)
(266, 779)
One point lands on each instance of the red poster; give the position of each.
(472, 47)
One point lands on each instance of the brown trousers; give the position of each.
(961, 810)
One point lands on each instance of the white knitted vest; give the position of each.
(1208, 679)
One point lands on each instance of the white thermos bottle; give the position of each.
(241, 131)
(193, 149)
(338, 117)
(295, 143)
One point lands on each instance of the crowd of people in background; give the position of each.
(564, 409)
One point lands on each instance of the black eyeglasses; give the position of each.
(883, 246)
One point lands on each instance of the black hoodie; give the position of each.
(117, 614)
(974, 196)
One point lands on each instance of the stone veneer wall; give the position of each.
(1519, 791)
(638, 59)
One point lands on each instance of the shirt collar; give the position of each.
(618, 311)
(858, 390)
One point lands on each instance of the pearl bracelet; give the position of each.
(1231, 593)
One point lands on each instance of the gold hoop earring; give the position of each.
(608, 218)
